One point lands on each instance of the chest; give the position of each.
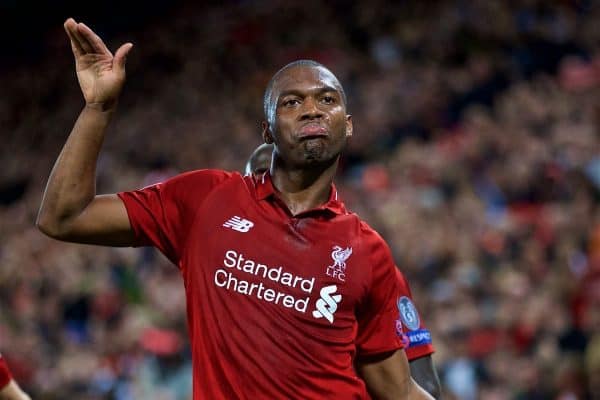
(253, 253)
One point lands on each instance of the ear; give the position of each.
(349, 126)
(266, 132)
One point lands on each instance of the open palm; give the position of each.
(101, 75)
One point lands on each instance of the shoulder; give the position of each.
(359, 228)
(373, 247)
(204, 176)
(370, 238)
(196, 182)
(365, 238)
(183, 190)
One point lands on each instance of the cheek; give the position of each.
(337, 113)
(340, 121)
(284, 122)
(282, 132)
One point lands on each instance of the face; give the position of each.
(310, 126)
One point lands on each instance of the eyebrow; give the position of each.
(319, 90)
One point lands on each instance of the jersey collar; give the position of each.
(265, 189)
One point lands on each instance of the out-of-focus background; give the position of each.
(476, 154)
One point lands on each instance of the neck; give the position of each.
(303, 189)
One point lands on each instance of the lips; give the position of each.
(312, 131)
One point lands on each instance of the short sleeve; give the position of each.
(378, 315)
(415, 336)
(5, 375)
(161, 215)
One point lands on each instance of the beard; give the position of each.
(319, 152)
(315, 150)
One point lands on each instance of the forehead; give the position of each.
(304, 78)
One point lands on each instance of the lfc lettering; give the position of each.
(336, 273)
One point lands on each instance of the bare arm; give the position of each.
(70, 208)
(388, 377)
(12, 391)
(424, 373)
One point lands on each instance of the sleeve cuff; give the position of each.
(412, 353)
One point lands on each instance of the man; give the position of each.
(9, 389)
(285, 289)
(418, 345)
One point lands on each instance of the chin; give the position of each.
(319, 159)
(314, 153)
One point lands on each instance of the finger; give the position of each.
(83, 43)
(75, 46)
(121, 57)
(93, 40)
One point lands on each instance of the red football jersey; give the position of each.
(416, 337)
(5, 375)
(278, 305)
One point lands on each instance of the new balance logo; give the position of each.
(238, 224)
(327, 304)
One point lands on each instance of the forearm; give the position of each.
(424, 373)
(72, 182)
(407, 389)
(388, 377)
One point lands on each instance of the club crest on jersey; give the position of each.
(339, 256)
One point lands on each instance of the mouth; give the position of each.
(312, 131)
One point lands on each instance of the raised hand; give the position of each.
(101, 75)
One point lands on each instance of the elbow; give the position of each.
(45, 226)
(48, 226)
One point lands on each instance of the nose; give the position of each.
(310, 109)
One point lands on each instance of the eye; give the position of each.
(291, 102)
(328, 99)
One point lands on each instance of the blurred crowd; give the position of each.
(476, 154)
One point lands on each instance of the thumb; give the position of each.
(121, 57)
